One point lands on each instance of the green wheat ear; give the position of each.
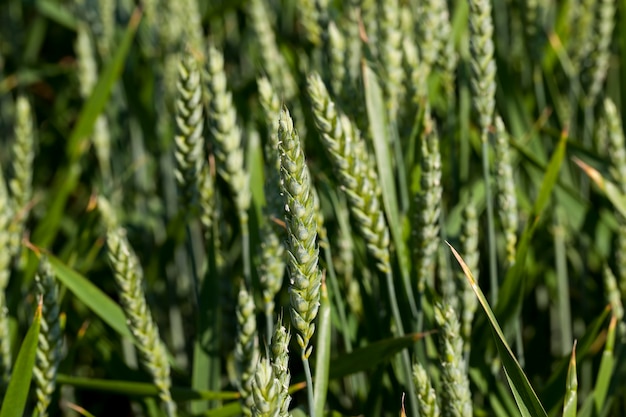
(129, 279)
(50, 339)
(456, 399)
(300, 216)
(226, 133)
(189, 141)
(482, 62)
(23, 155)
(355, 171)
(246, 348)
(426, 396)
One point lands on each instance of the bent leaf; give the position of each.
(527, 401)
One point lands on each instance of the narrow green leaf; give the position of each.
(96, 300)
(512, 289)
(526, 398)
(379, 130)
(371, 355)
(607, 365)
(571, 388)
(17, 391)
(553, 390)
(142, 389)
(322, 357)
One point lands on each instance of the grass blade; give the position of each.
(526, 398)
(607, 364)
(322, 357)
(97, 301)
(17, 391)
(571, 388)
(371, 355)
(142, 389)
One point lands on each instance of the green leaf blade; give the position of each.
(17, 391)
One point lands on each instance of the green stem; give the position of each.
(406, 360)
(491, 232)
(309, 385)
(245, 242)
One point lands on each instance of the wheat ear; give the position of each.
(428, 206)
(273, 61)
(597, 63)
(357, 177)
(50, 339)
(280, 365)
(227, 146)
(272, 249)
(391, 54)
(129, 279)
(426, 396)
(456, 399)
(484, 89)
(300, 216)
(355, 171)
(482, 62)
(189, 151)
(23, 155)
(246, 347)
(507, 200)
(225, 133)
(6, 214)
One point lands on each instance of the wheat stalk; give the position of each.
(129, 278)
(50, 339)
